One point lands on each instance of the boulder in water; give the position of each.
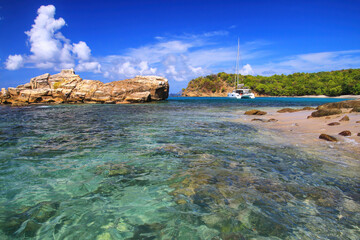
(255, 112)
(345, 118)
(345, 133)
(327, 137)
(334, 124)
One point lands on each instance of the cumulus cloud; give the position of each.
(44, 43)
(311, 62)
(89, 67)
(14, 62)
(50, 49)
(82, 51)
(247, 70)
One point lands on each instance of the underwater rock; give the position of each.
(30, 220)
(308, 108)
(272, 120)
(326, 112)
(327, 137)
(334, 123)
(345, 118)
(255, 112)
(258, 120)
(171, 148)
(345, 133)
(288, 110)
(119, 169)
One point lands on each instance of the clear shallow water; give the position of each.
(180, 169)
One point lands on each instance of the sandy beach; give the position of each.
(301, 130)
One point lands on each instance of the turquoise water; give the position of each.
(179, 169)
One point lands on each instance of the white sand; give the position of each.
(298, 129)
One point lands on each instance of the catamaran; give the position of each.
(240, 91)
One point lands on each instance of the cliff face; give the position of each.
(67, 87)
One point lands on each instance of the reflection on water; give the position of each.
(172, 170)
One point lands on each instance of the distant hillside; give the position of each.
(334, 83)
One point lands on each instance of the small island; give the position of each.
(68, 87)
(332, 83)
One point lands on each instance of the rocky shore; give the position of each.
(335, 124)
(68, 87)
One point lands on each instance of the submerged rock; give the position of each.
(255, 112)
(345, 133)
(326, 112)
(258, 120)
(290, 110)
(28, 222)
(327, 137)
(334, 124)
(67, 87)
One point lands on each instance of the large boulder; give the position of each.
(327, 137)
(67, 87)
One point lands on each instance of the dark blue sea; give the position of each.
(177, 169)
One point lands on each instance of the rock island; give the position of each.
(68, 87)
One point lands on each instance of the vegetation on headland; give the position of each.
(334, 83)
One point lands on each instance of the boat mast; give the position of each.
(237, 65)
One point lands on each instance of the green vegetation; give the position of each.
(333, 83)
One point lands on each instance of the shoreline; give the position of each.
(305, 96)
(298, 130)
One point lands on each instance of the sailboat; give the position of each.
(240, 91)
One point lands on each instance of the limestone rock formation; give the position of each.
(67, 87)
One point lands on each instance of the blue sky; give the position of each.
(114, 40)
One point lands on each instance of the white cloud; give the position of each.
(50, 49)
(311, 62)
(14, 62)
(89, 67)
(44, 44)
(171, 70)
(82, 51)
(247, 70)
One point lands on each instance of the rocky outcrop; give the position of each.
(67, 87)
(342, 104)
(335, 108)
